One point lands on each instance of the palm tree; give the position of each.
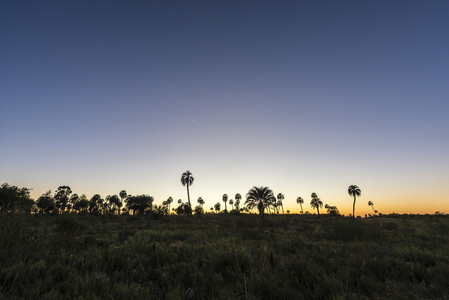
(200, 201)
(332, 210)
(300, 201)
(316, 203)
(217, 207)
(237, 198)
(169, 201)
(232, 203)
(370, 203)
(187, 180)
(354, 190)
(259, 197)
(280, 197)
(225, 199)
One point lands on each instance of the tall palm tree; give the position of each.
(316, 203)
(225, 199)
(187, 180)
(280, 197)
(300, 201)
(355, 191)
(370, 203)
(259, 197)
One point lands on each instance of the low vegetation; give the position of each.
(224, 256)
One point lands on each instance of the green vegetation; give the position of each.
(225, 256)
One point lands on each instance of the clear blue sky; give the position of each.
(300, 96)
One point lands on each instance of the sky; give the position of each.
(299, 96)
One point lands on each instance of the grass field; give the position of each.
(223, 257)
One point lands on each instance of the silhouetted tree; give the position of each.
(115, 203)
(183, 209)
(123, 195)
(199, 210)
(237, 198)
(300, 201)
(332, 210)
(316, 203)
(370, 203)
(95, 204)
(62, 197)
(82, 204)
(14, 199)
(201, 202)
(106, 206)
(187, 180)
(45, 202)
(140, 203)
(169, 202)
(280, 198)
(225, 199)
(74, 198)
(217, 207)
(232, 203)
(159, 210)
(355, 191)
(259, 197)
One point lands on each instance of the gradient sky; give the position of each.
(299, 96)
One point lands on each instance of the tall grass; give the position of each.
(223, 257)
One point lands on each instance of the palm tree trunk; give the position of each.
(353, 207)
(188, 195)
(318, 210)
(301, 208)
(282, 207)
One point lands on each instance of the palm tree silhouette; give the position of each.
(169, 201)
(232, 203)
(187, 180)
(370, 203)
(300, 201)
(280, 197)
(316, 203)
(225, 199)
(217, 207)
(354, 190)
(237, 198)
(259, 197)
(332, 210)
(200, 201)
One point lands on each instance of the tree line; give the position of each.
(258, 199)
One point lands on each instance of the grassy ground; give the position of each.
(223, 257)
